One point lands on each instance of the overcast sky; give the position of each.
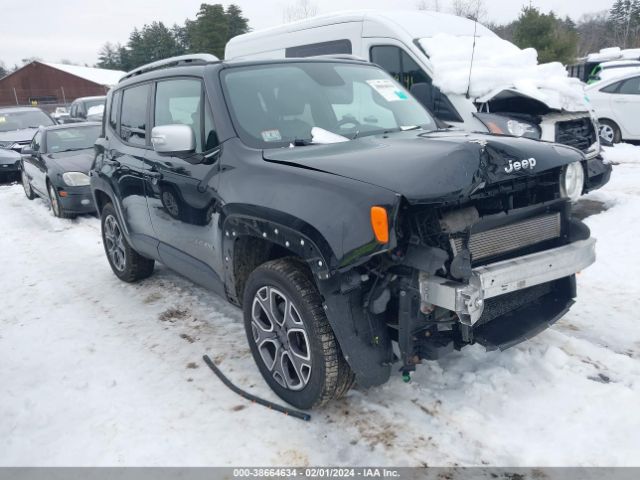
(76, 29)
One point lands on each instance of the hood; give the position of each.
(430, 167)
(22, 135)
(8, 157)
(78, 161)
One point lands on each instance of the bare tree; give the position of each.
(299, 11)
(432, 5)
(471, 9)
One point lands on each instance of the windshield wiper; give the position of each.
(301, 142)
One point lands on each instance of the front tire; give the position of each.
(127, 264)
(290, 337)
(56, 207)
(26, 185)
(610, 131)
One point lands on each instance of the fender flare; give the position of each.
(365, 342)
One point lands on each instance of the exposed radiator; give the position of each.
(512, 237)
(578, 133)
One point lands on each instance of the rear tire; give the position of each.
(294, 346)
(26, 185)
(610, 131)
(127, 264)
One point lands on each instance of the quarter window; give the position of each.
(133, 119)
(630, 87)
(334, 47)
(613, 88)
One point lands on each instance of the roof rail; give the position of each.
(342, 56)
(194, 58)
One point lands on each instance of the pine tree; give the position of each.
(554, 39)
(208, 32)
(237, 24)
(109, 57)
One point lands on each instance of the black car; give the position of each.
(81, 109)
(19, 124)
(323, 199)
(55, 166)
(9, 164)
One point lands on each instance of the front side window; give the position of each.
(179, 102)
(36, 141)
(113, 111)
(630, 87)
(406, 71)
(276, 105)
(133, 118)
(19, 120)
(72, 139)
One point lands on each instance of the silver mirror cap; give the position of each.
(173, 139)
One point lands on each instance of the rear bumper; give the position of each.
(500, 278)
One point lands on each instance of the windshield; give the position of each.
(276, 105)
(25, 119)
(74, 138)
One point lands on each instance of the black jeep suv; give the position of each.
(323, 199)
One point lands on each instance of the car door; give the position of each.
(123, 150)
(181, 189)
(626, 106)
(34, 165)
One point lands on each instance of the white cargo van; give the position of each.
(400, 42)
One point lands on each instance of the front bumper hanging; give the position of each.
(492, 280)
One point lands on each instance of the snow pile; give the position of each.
(622, 153)
(614, 53)
(500, 65)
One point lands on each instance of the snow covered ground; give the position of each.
(97, 372)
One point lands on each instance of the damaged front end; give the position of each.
(495, 267)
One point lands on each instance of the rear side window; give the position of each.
(406, 71)
(334, 47)
(113, 110)
(630, 87)
(133, 117)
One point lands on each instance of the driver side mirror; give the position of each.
(27, 151)
(173, 139)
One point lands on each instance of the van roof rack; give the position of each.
(194, 58)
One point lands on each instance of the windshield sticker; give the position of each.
(388, 90)
(271, 135)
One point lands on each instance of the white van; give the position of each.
(506, 102)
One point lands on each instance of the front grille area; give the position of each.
(515, 236)
(579, 133)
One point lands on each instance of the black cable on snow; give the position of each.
(252, 398)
